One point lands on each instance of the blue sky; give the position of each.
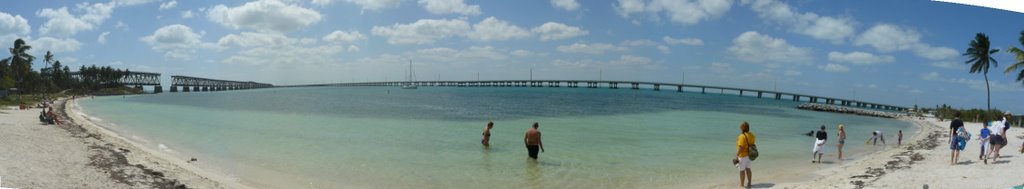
(897, 52)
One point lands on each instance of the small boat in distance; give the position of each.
(409, 79)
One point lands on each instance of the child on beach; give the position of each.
(984, 139)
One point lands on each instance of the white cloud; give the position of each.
(353, 48)
(62, 23)
(450, 7)
(374, 5)
(679, 11)
(132, 2)
(684, 41)
(889, 38)
(168, 5)
(261, 39)
(344, 37)
(102, 39)
(593, 48)
(632, 60)
(322, 2)
(627, 7)
(935, 53)
(858, 57)
(835, 68)
(930, 76)
(176, 41)
(664, 49)
(12, 27)
(187, 14)
(643, 42)
(755, 47)
(472, 55)
(835, 30)
(569, 5)
(423, 31)
(54, 44)
(122, 26)
(492, 29)
(264, 15)
(721, 68)
(555, 31)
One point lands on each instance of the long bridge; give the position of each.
(197, 84)
(632, 85)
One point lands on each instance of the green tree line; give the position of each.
(16, 72)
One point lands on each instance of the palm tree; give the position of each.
(981, 60)
(21, 61)
(1019, 55)
(47, 73)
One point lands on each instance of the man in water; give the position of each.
(532, 141)
(819, 144)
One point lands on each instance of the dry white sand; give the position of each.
(84, 155)
(924, 161)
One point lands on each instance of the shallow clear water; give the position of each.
(379, 137)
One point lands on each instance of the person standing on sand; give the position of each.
(532, 141)
(997, 140)
(899, 138)
(1006, 126)
(842, 141)
(819, 144)
(486, 141)
(743, 143)
(954, 141)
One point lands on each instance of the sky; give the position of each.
(892, 52)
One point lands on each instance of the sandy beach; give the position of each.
(923, 162)
(79, 154)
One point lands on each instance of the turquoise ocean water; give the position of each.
(378, 137)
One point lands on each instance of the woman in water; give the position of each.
(842, 140)
(487, 134)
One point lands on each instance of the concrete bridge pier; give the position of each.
(186, 89)
(635, 85)
(759, 94)
(796, 98)
(195, 88)
(679, 88)
(657, 87)
(702, 89)
(778, 96)
(174, 88)
(158, 89)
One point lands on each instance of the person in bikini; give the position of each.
(486, 141)
(842, 141)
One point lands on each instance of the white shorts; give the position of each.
(744, 163)
(819, 146)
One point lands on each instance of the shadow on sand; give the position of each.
(762, 185)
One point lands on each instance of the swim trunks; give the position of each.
(533, 149)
